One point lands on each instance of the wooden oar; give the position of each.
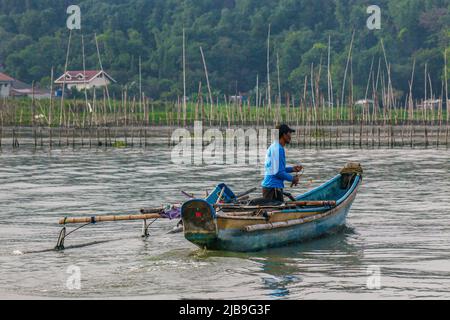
(109, 218)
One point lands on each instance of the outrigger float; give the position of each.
(229, 222)
(147, 215)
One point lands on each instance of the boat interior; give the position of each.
(323, 198)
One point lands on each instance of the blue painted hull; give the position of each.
(241, 241)
(205, 228)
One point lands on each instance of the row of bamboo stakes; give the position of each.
(131, 123)
(353, 136)
(144, 113)
(129, 119)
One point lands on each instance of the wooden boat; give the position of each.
(219, 222)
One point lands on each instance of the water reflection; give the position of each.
(280, 269)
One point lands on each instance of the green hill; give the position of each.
(233, 35)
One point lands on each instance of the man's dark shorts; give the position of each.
(273, 194)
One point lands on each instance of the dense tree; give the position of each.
(233, 35)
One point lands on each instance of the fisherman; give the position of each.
(276, 171)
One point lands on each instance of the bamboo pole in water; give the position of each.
(227, 108)
(446, 97)
(179, 113)
(439, 119)
(50, 109)
(346, 69)
(84, 76)
(153, 114)
(101, 68)
(64, 80)
(329, 93)
(279, 119)
(33, 114)
(141, 100)
(1, 128)
(184, 79)
(211, 115)
(269, 99)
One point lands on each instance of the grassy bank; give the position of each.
(120, 113)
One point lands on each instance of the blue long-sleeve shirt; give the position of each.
(276, 171)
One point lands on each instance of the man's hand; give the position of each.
(298, 168)
(295, 181)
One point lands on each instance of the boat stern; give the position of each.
(199, 221)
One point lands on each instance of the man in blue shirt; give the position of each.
(276, 171)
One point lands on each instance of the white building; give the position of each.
(10, 87)
(430, 104)
(364, 102)
(31, 93)
(88, 79)
(5, 85)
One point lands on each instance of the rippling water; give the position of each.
(400, 223)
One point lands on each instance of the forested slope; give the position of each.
(233, 34)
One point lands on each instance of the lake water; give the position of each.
(399, 225)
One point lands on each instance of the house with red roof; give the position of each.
(85, 79)
(5, 85)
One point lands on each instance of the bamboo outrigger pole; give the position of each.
(97, 219)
